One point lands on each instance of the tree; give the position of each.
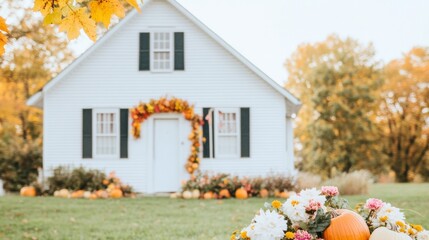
(337, 81)
(73, 16)
(404, 113)
(36, 54)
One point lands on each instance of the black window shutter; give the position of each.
(245, 132)
(144, 53)
(123, 133)
(206, 134)
(179, 51)
(87, 133)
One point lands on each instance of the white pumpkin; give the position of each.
(196, 193)
(187, 195)
(383, 233)
(87, 194)
(64, 193)
(57, 193)
(173, 195)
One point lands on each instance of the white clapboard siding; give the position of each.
(109, 78)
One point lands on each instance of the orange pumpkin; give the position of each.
(264, 193)
(284, 194)
(224, 193)
(241, 193)
(93, 196)
(208, 195)
(116, 193)
(101, 194)
(78, 194)
(28, 191)
(347, 226)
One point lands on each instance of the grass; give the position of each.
(163, 218)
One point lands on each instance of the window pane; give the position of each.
(227, 145)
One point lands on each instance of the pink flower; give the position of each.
(302, 235)
(330, 191)
(373, 204)
(313, 206)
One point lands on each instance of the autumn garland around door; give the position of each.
(174, 105)
(316, 214)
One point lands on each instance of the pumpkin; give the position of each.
(102, 194)
(187, 194)
(264, 193)
(173, 195)
(347, 226)
(382, 233)
(224, 193)
(64, 193)
(284, 194)
(116, 193)
(28, 191)
(241, 193)
(196, 193)
(86, 194)
(57, 193)
(93, 196)
(77, 194)
(208, 195)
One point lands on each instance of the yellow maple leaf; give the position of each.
(3, 38)
(54, 17)
(3, 26)
(48, 6)
(102, 10)
(134, 4)
(77, 20)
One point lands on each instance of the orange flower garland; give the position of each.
(174, 105)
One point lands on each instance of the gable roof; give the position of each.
(294, 103)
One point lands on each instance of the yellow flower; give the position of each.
(411, 231)
(232, 237)
(276, 204)
(294, 202)
(290, 235)
(383, 219)
(243, 234)
(419, 228)
(400, 224)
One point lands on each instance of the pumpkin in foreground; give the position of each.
(347, 226)
(382, 233)
(28, 191)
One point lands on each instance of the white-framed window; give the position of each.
(162, 51)
(227, 132)
(106, 132)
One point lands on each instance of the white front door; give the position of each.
(166, 155)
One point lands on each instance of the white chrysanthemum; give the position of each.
(313, 194)
(388, 216)
(423, 235)
(268, 225)
(294, 208)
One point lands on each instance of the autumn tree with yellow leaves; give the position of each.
(404, 114)
(337, 80)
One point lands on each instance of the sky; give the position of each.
(268, 32)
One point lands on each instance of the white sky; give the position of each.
(267, 32)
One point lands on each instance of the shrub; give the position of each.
(19, 162)
(353, 183)
(76, 179)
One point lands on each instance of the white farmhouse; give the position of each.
(165, 52)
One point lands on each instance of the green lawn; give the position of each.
(162, 218)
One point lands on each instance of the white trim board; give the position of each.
(38, 97)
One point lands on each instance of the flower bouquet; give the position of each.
(321, 214)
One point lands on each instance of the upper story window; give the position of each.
(162, 55)
(227, 132)
(106, 129)
(161, 51)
